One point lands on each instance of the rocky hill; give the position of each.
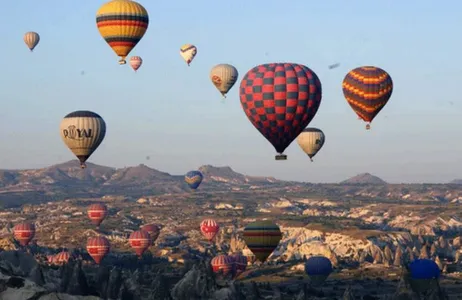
(68, 180)
(364, 178)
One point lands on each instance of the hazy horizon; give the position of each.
(77, 164)
(174, 114)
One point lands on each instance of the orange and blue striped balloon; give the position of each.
(367, 90)
(262, 237)
(122, 24)
(193, 179)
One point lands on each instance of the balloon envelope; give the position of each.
(98, 247)
(83, 131)
(311, 141)
(97, 212)
(153, 230)
(240, 263)
(31, 39)
(209, 228)
(367, 90)
(280, 100)
(139, 241)
(424, 274)
(193, 179)
(24, 233)
(222, 264)
(188, 52)
(424, 269)
(262, 237)
(62, 257)
(223, 76)
(318, 268)
(122, 24)
(136, 62)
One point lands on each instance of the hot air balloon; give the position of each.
(136, 62)
(31, 39)
(51, 259)
(424, 275)
(367, 90)
(83, 131)
(153, 230)
(62, 257)
(193, 179)
(311, 141)
(209, 229)
(240, 263)
(24, 233)
(280, 100)
(139, 241)
(224, 77)
(122, 24)
(97, 212)
(318, 269)
(188, 52)
(98, 247)
(262, 237)
(222, 264)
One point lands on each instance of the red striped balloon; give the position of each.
(240, 263)
(153, 230)
(51, 259)
(222, 264)
(96, 213)
(62, 257)
(139, 241)
(209, 228)
(98, 247)
(24, 233)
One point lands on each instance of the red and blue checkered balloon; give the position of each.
(280, 100)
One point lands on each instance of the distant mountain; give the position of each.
(228, 175)
(364, 178)
(68, 180)
(455, 181)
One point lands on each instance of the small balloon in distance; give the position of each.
(336, 65)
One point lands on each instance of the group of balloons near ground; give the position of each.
(261, 237)
(279, 99)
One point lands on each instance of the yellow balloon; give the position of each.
(122, 24)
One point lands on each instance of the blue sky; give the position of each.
(174, 114)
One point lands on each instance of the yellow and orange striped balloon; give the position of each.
(367, 89)
(122, 24)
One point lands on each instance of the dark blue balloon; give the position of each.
(193, 179)
(424, 269)
(318, 265)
